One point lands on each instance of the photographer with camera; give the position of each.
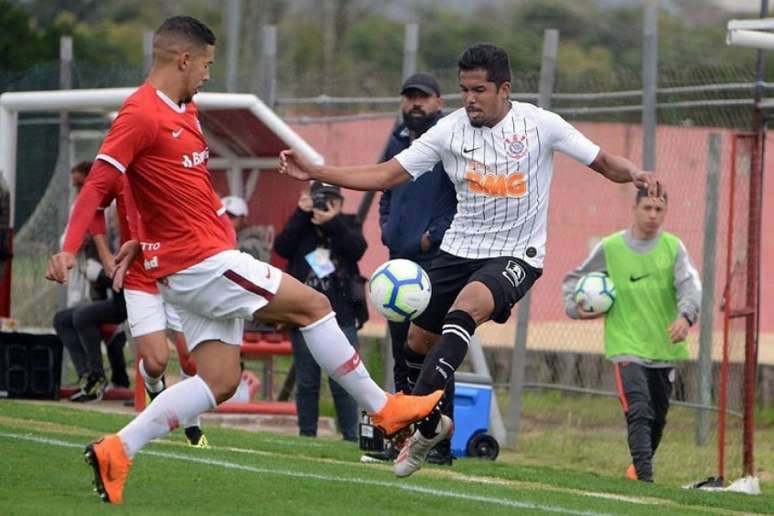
(322, 246)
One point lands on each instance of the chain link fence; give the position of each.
(693, 104)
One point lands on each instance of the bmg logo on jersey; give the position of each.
(196, 158)
(511, 185)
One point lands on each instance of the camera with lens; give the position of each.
(320, 201)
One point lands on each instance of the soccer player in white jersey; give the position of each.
(499, 155)
(157, 141)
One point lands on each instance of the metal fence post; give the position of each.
(518, 360)
(649, 80)
(64, 160)
(147, 52)
(410, 48)
(268, 77)
(708, 288)
(233, 10)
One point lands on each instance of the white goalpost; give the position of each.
(108, 99)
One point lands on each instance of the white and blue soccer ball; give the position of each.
(399, 290)
(595, 292)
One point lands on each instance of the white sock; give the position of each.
(152, 383)
(180, 402)
(333, 352)
(196, 420)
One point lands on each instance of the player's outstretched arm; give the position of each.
(98, 184)
(367, 177)
(620, 170)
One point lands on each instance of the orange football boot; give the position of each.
(401, 410)
(111, 467)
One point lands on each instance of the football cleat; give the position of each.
(401, 410)
(92, 390)
(631, 472)
(195, 437)
(111, 467)
(414, 452)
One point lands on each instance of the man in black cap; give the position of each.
(414, 217)
(322, 246)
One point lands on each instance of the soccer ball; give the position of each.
(595, 292)
(399, 290)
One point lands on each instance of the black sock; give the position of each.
(413, 361)
(444, 358)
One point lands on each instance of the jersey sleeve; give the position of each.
(424, 152)
(568, 140)
(132, 131)
(98, 226)
(98, 185)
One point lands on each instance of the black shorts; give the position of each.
(506, 277)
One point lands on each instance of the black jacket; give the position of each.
(409, 209)
(343, 235)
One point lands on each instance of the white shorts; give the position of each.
(148, 313)
(215, 296)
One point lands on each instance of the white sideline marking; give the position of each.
(296, 474)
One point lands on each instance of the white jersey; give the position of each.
(502, 176)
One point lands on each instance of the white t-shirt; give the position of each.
(502, 176)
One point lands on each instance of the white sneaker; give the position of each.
(414, 452)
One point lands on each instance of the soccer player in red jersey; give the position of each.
(148, 315)
(156, 140)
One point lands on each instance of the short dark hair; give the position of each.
(484, 56)
(188, 28)
(642, 193)
(82, 167)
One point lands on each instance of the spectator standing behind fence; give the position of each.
(413, 218)
(658, 296)
(78, 326)
(322, 246)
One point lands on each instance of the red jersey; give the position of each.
(161, 148)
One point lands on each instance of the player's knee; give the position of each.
(477, 301)
(154, 366)
(224, 386)
(316, 307)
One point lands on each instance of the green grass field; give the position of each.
(253, 473)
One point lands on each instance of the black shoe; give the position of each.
(92, 390)
(441, 455)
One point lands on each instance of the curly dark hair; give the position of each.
(484, 56)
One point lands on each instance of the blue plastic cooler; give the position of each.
(472, 404)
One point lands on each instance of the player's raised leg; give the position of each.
(298, 304)
(473, 306)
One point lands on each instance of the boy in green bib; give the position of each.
(658, 294)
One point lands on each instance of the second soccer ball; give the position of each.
(595, 292)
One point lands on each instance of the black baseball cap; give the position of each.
(423, 82)
(326, 189)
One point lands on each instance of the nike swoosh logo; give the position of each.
(470, 150)
(176, 134)
(268, 273)
(635, 279)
